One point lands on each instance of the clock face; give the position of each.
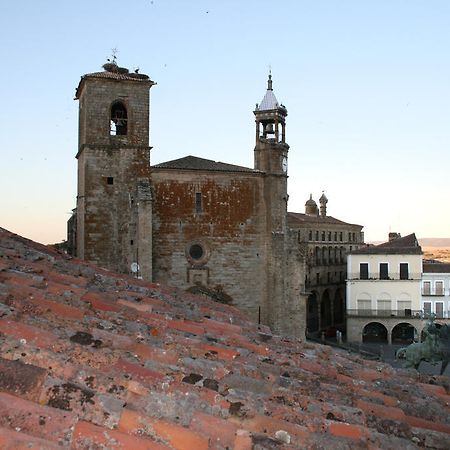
(284, 164)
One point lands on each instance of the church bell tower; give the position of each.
(114, 205)
(271, 153)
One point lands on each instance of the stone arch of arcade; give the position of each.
(375, 332)
(399, 330)
(325, 309)
(312, 312)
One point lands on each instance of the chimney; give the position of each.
(394, 236)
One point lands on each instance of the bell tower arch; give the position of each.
(113, 214)
(271, 150)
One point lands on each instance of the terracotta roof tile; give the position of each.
(86, 436)
(435, 267)
(115, 361)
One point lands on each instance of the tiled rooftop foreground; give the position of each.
(91, 359)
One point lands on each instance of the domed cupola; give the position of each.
(311, 207)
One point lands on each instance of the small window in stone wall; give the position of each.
(196, 252)
(109, 180)
(198, 202)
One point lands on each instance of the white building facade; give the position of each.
(436, 289)
(384, 292)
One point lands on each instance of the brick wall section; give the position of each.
(231, 227)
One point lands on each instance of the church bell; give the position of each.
(269, 129)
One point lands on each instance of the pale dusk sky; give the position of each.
(366, 85)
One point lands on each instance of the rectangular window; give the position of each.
(109, 180)
(404, 307)
(323, 235)
(404, 271)
(335, 235)
(317, 278)
(310, 235)
(427, 309)
(383, 307)
(363, 271)
(340, 236)
(198, 202)
(384, 271)
(329, 235)
(317, 235)
(439, 287)
(364, 306)
(426, 290)
(439, 310)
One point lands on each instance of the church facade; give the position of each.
(212, 228)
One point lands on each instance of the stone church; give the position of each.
(212, 228)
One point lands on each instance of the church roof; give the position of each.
(300, 219)
(407, 245)
(194, 163)
(93, 359)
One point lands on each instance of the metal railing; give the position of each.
(393, 276)
(433, 294)
(410, 313)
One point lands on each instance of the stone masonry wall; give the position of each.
(230, 228)
(110, 226)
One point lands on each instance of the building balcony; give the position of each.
(391, 277)
(409, 313)
(433, 294)
(406, 313)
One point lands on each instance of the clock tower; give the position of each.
(271, 153)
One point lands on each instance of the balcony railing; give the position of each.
(433, 294)
(376, 277)
(410, 313)
(407, 313)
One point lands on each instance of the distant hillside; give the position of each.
(434, 242)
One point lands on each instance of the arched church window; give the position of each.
(119, 119)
